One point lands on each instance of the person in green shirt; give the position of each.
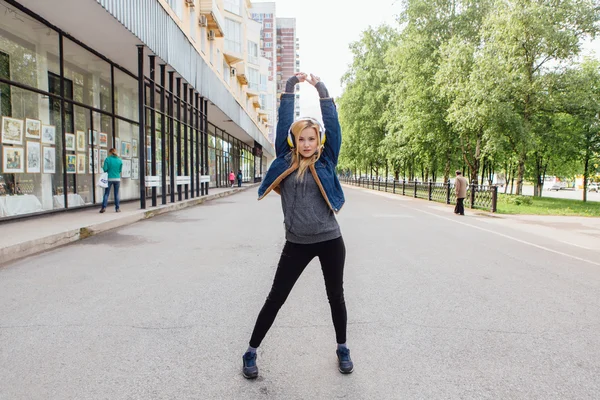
(113, 166)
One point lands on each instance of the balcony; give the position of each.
(253, 89)
(242, 74)
(215, 20)
(263, 115)
(255, 101)
(232, 52)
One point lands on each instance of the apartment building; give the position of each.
(288, 58)
(264, 13)
(175, 86)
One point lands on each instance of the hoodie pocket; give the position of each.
(308, 221)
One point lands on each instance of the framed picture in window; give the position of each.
(13, 160)
(49, 164)
(135, 168)
(103, 139)
(93, 157)
(12, 130)
(126, 172)
(34, 157)
(48, 134)
(103, 155)
(81, 163)
(70, 141)
(33, 128)
(80, 141)
(93, 138)
(125, 149)
(71, 164)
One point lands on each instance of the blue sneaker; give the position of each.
(345, 362)
(250, 369)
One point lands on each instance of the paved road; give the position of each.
(440, 307)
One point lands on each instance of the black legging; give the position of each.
(294, 258)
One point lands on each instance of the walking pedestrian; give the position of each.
(304, 174)
(240, 176)
(231, 178)
(460, 186)
(113, 165)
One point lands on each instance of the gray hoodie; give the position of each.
(307, 217)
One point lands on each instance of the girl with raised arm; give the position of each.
(304, 174)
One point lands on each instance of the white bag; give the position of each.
(103, 180)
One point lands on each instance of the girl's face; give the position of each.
(308, 142)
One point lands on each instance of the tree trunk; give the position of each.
(507, 176)
(512, 180)
(520, 174)
(538, 172)
(386, 170)
(447, 168)
(477, 160)
(483, 165)
(586, 165)
(543, 180)
(404, 169)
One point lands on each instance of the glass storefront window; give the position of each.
(81, 182)
(212, 166)
(126, 96)
(127, 143)
(90, 76)
(31, 178)
(28, 48)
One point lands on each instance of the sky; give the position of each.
(325, 29)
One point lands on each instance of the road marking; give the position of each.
(392, 216)
(388, 195)
(576, 245)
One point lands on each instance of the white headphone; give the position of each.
(290, 138)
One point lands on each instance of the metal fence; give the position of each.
(478, 196)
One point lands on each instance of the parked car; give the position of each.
(593, 187)
(558, 186)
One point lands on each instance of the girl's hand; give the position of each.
(313, 80)
(301, 76)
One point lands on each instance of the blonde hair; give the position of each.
(302, 162)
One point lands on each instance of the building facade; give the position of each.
(264, 13)
(180, 102)
(288, 59)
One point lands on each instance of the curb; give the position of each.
(35, 246)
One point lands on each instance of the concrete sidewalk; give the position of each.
(22, 238)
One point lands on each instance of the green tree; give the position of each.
(522, 38)
(581, 100)
(419, 109)
(364, 99)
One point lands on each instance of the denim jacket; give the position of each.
(323, 171)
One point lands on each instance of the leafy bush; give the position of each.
(519, 200)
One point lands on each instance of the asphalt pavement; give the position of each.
(440, 307)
